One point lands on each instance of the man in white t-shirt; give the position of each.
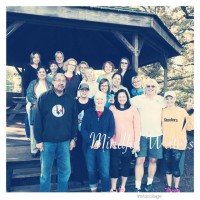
(150, 107)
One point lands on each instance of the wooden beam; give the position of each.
(13, 27)
(135, 55)
(165, 79)
(163, 60)
(84, 14)
(124, 41)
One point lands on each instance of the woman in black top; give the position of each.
(125, 69)
(72, 80)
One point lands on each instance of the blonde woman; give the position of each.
(91, 81)
(72, 80)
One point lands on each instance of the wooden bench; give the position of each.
(20, 107)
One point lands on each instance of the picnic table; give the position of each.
(20, 107)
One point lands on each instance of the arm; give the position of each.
(30, 93)
(84, 131)
(38, 126)
(137, 129)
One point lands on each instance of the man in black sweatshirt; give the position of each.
(55, 132)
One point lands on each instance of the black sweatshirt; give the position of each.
(56, 118)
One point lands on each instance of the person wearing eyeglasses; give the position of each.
(104, 87)
(127, 72)
(150, 107)
(72, 80)
(137, 86)
(55, 133)
(83, 66)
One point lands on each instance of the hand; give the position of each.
(72, 144)
(111, 100)
(40, 146)
(136, 148)
(113, 145)
(97, 144)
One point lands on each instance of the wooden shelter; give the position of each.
(93, 34)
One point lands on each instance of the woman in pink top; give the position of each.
(125, 139)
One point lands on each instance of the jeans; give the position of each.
(27, 127)
(60, 151)
(98, 159)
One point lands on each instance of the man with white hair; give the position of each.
(150, 107)
(59, 57)
(97, 129)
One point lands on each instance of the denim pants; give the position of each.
(98, 159)
(60, 151)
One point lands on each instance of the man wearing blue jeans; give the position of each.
(55, 132)
(97, 129)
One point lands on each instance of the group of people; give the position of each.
(103, 122)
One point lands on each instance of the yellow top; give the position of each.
(175, 122)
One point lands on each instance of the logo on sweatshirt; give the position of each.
(58, 110)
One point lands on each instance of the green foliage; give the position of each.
(180, 21)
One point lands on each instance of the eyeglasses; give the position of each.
(148, 86)
(59, 80)
(84, 90)
(136, 82)
(124, 63)
(72, 65)
(104, 85)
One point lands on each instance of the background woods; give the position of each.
(180, 21)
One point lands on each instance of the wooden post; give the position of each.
(135, 55)
(163, 62)
(165, 80)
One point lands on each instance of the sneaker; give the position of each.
(148, 188)
(121, 189)
(112, 190)
(168, 189)
(136, 190)
(176, 190)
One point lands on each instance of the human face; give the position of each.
(124, 64)
(71, 66)
(59, 58)
(108, 68)
(122, 98)
(53, 68)
(116, 80)
(83, 68)
(104, 87)
(41, 74)
(59, 83)
(90, 75)
(99, 101)
(84, 93)
(150, 89)
(137, 83)
(36, 59)
(170, 101)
